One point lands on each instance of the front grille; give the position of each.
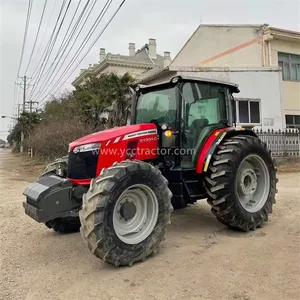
(82, 165)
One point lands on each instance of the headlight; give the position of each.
(87, 147)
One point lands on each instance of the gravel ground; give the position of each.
(200, 258)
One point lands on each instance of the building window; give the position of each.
(292, 121)
(290, 65)
(248, 111)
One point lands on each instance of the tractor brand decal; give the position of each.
(151, 139)
(117, 139)
(140, 133)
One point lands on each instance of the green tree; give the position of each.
(106, 93)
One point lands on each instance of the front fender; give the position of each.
(210, 146)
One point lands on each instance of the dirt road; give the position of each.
(200, 258)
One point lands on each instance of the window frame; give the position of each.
(197, 96)
(287, 58)
(294, 125)
(249, 100)
(138, 99)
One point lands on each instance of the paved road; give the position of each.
(200, 259)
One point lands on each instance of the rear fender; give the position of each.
(210, 146)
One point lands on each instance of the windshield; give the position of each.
(159, 105)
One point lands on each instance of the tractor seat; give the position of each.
(195, 130)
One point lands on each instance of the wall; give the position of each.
(283, 46)
(222, 46)
(290, 89)
(291, 97)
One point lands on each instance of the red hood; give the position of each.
(108, 134)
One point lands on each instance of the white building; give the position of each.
(139, 63)
(251, 56)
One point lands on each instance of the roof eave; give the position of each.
(283, 34)
(105, 63)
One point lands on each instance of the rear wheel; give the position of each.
(62, 225)
(125, 212)
(241, 183)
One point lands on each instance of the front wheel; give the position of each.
(125, 212)
(241, 183)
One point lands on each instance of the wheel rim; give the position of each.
(253, 183)
(135, 214)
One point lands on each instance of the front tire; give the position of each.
(241, 183)
(125, 212)
(59, 167)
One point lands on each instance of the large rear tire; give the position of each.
(125, 212)
(241, 183)
(61, 225)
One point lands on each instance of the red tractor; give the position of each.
(119, 186)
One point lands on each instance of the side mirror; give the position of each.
(233, 109)
(128, 114)
(132, 106)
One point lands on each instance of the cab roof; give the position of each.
(234, 87)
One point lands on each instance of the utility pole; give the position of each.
(24, 86)
(30, 104)
(24, 92)
(18, 111)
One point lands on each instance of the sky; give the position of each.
(170, 22)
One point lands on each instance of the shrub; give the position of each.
(51, 138)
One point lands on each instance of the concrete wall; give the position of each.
(215, 46)
(239, 46)
(290, 89)
(291, 97)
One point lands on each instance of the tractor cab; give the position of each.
(186, 111)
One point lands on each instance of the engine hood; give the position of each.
(112, 133)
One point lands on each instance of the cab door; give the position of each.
(204, 110)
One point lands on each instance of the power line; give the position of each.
(66, 41)
(87, 36)
(100, 34)
(51, 46)
(46, 50)
(44, 34)
(36, 37)
(25, 34)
